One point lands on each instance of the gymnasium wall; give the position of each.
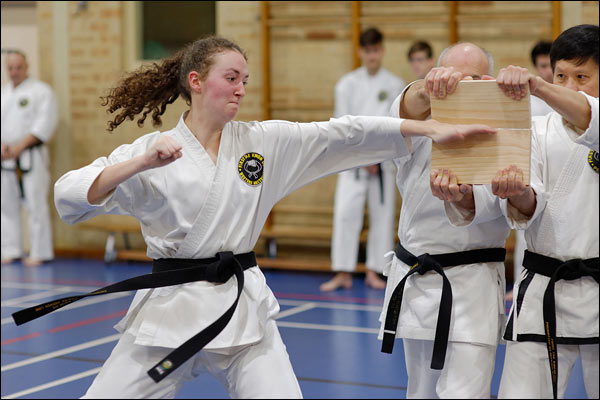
(84, 50)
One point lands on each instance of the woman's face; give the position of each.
(224, 87)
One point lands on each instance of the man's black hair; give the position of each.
(542, 48)
(577, 44)
(370, 37)
(420, 46)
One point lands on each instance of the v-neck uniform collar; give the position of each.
(199, 153)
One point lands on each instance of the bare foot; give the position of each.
(32, 262)
(8, 261)
(373, 280)
(509, 296)
(341, 279)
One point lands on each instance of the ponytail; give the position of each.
(151, 88)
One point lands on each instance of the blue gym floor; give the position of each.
(331, 338)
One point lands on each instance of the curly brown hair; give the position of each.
(151, 88)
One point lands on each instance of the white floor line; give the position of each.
(57, 382)
(339, 306)
(295, 310)
(35, 296)
(61, 352)
(323, 327)
(80, 303)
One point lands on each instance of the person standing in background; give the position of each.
(420, 57)
(29, 118)
(368, 90)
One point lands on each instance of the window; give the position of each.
(166, 26)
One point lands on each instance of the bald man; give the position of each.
(449, 344)
(29, 118)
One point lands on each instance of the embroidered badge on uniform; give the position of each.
(251, 167)
(382, 95)
(23, 102)
(594, 161)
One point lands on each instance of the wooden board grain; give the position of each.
(478, 159)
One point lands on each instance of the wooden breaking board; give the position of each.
(476, 160)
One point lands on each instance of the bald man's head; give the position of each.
(467, 58)
(16, 64)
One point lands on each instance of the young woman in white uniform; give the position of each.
(202, 192)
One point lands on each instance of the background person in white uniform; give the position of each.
(421, 59)
(204, 189)
(29, 118)
(368, 90)
(477, 283)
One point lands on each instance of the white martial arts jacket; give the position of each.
(29, 108)
(478, 289)
(358, 93)
(193, 208)
(563, 226)
(538, 106)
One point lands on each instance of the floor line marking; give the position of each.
(295, 310)
(54, 383)
(58, 353)
(323, 327)
(341, 306)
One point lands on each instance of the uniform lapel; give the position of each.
(190, 245)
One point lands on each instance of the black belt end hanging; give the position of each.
(387, 345)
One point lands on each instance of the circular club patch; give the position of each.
(23, 102)
(251, 167)
(594, 161)
(382, 95)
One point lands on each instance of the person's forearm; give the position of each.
(415, 102)
(525, 203)
(573, 106)
(112, 176)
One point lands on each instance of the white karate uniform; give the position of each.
(538, 108)
(478, 289)
(29, 108)
(193, 208)
(358, 93)
(564, 226)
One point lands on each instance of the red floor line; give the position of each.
(66, 327)
(20, 338)
(301, 296)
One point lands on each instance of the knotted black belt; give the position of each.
(379, 175)
(168, 272)
(422, 264)
(20, 171)
(556, 269)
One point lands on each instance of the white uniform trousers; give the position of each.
(467, 372)
(260, 370)
(526, 373)
(36, 184)
(348, 215)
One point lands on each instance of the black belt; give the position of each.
(422, 264)
(380, 176)
(556, 269)
(168, 272)
(22, 171)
